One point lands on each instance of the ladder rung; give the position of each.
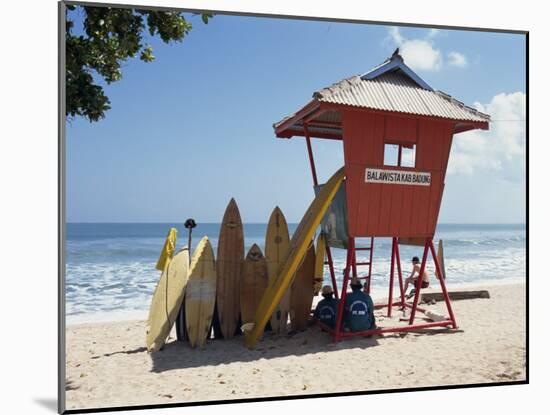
(363, 249)
(362, 263)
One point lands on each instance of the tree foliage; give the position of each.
(111, 36)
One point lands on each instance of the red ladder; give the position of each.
(367, 263)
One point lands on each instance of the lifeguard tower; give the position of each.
(397, 133)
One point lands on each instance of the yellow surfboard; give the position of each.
(200, 294)
(167, 300)
(277, 242)
(320, 251)
(298, 246)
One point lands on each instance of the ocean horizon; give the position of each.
(111, 275)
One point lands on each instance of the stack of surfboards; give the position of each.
(225, 292)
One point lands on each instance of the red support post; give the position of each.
(370, 263)
(354, 264)
(340, 313)
(392, 270)
(310, 154)
(419, 280)
(442, 283)
(399, 273)
(331, 269)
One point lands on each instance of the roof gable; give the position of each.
(396, 64)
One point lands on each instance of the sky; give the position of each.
(194, 128)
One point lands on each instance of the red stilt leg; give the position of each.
(442, 283)
(331, 269)
(399, 273)
(310, 155)
(354, 266)
(392, 270)
(370, 264)
(340, 314)
(419, 280)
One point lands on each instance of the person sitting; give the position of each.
(359, 308)
(413, 279)
(326, 309)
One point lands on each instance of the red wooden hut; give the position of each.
(397, 133)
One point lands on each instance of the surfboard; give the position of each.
(253, 283)
(200, 294)
(277, 242)
(167, 299)
(301, 295)
(440, 258)
(320, 251)
(297, 249)
(229, 269)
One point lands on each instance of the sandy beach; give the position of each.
(108, 365)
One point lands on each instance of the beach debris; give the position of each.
(166, 395)
(435, 316)
(455, 295)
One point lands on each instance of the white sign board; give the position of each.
(397, 177)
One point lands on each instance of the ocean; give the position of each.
(111, 275)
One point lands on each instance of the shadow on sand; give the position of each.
(177, 355)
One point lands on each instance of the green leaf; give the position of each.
(110, 37)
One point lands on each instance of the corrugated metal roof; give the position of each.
(396, 92)
(391, 86)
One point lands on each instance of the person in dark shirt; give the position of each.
(326, 309)
(359, 308)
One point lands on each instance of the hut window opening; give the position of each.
(399, 155)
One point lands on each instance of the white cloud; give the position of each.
(457, 59)
(432, 33)
(502, 148)
(422, 54)
(418, 53)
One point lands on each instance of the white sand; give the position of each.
(107, 364)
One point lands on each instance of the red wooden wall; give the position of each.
(376, 209)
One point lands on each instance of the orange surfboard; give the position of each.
(253, 283)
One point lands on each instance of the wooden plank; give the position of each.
(412, 241)
(395, 209)
(454, 295)
(385, 208)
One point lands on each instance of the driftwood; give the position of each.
(454, 295)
